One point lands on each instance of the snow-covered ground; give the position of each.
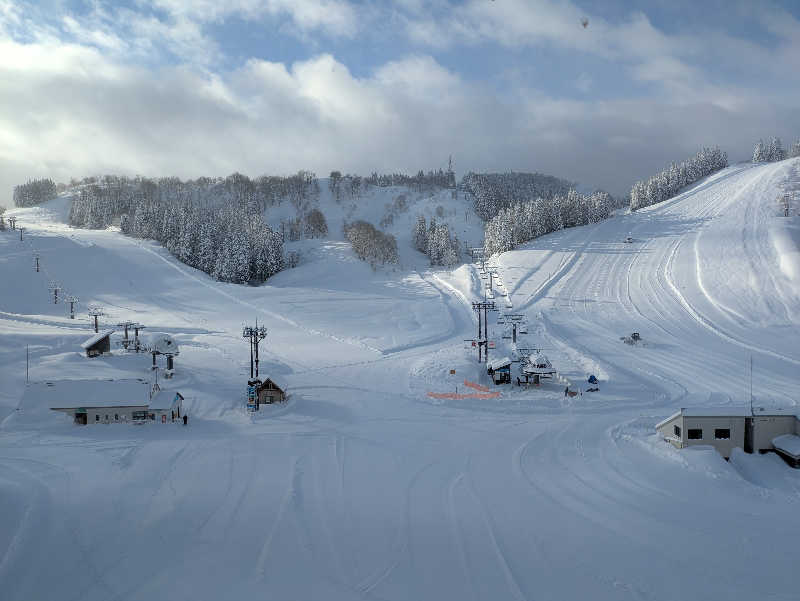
(362, 486)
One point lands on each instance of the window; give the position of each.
(116, 417)
(139, 415)
(97, 417)
(695, 434)
(677, 431)
(722, 433)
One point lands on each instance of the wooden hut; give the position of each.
(98, 344)
(269, 392)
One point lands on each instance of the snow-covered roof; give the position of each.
(669, 419)
(164, 399)
(271, 379)
(789, 444)
(538, 364)
(64, 394)
(96, 338)
(498, 363)
(723, 411)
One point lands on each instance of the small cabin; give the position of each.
(500, 370)
(98, 344)
(269, 392)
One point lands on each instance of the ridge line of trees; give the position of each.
(493, 192)
(668, 182)
(524, 221)
(34, 192)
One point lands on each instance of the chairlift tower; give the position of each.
(137, 346)
(483, 335)
(514, 319)
(95, 311)
(72, 300)
(55, 288)
(126, 325)
(786, 201)
(36, 261)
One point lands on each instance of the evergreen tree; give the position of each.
(421, 234)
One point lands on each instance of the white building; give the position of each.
(103, 401)
(724, 428)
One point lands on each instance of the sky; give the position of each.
(205, 88)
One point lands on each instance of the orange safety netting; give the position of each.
(484, 393)
(476, 386)
(469, 395)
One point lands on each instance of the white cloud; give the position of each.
(335, 17)
(88, 98)
(70, 110)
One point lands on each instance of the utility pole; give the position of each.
(72, 300)
(36, 258)
(483, 334)
(255, 335)
(54, 288)
(95, 312)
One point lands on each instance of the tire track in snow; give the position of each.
(455, 531)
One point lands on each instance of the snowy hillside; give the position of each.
(365, 486)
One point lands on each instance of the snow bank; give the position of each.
(786, 241)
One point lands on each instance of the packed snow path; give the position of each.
(360, 487)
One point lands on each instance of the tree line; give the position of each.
(34, 192)
(493, 192)
(216, 226)
(524, 221)
(669, 181)
(773, 151)
(420, 182)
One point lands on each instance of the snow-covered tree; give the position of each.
(775, 152)
(421, 234)
(34, 192)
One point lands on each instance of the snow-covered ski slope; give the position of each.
(363, 487)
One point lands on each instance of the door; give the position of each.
(748, 435)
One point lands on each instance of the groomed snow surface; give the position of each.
(361, 486)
